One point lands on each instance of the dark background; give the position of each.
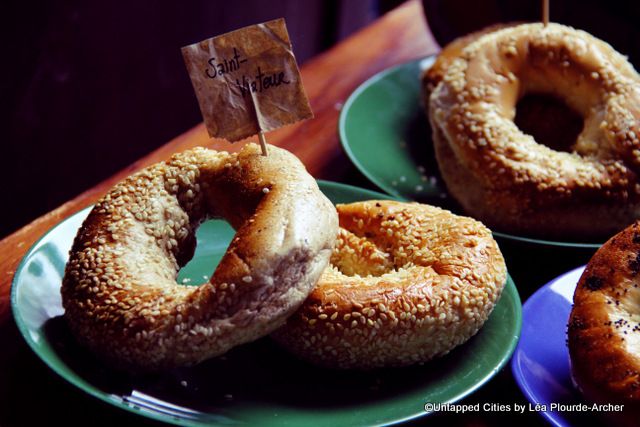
(614, 21)
(88, 87)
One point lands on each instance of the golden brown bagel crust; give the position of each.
(434, 74)
(501, 175)
(120, 292)
(407, 282)
(604, 326)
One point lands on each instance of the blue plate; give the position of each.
(540, 364)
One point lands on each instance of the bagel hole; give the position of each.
(360, 267)
(212, 239)
(549, 121)
(357, 254)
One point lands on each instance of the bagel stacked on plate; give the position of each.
(119, 289)
(407, 283)
(504, 177)
(604, 327)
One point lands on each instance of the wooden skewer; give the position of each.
(263, 143)
(545, 12)
(261, 137)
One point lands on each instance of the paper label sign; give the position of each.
(247, 81)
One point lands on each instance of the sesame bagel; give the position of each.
(505, 178)
(407, 282)
(120, 291)
(436, 72)
(604, 326)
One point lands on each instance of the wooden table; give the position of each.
(30, 394)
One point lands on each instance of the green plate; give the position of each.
(258, 383)
(385, 133)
